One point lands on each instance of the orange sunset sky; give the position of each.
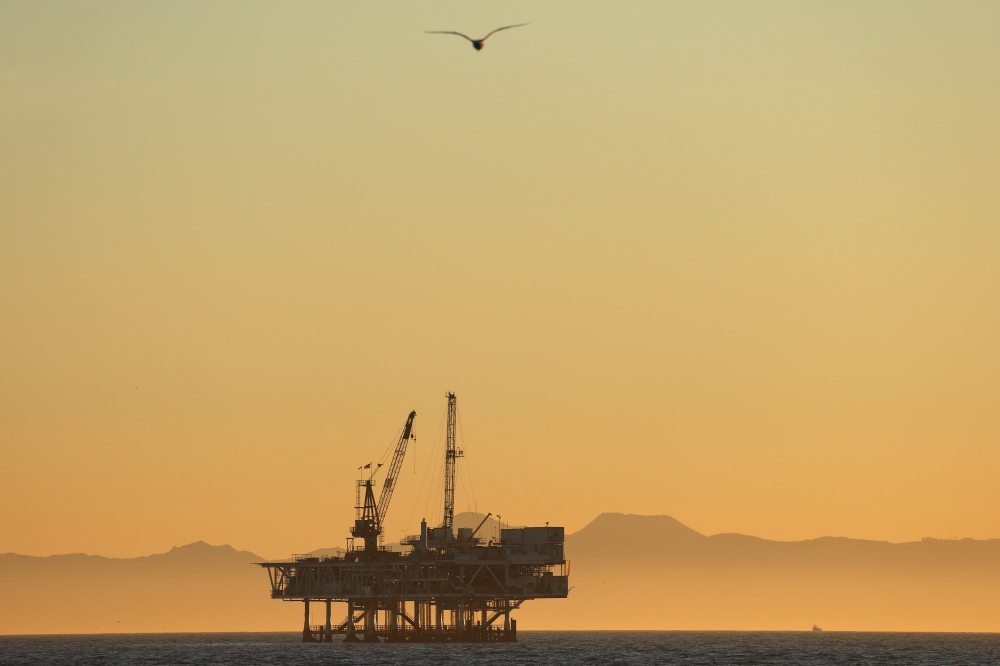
(734, 262)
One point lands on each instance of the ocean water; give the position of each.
(533, 647)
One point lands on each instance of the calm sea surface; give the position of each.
(533, 647)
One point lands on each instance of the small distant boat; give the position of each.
(816, 628)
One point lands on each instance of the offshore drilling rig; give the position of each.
(450, 587)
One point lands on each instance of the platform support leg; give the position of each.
(328, 630)
(307, 636)
(352, 635)
(394, 623)
(417, 626)
(371, 620)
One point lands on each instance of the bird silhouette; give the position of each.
(476, 43)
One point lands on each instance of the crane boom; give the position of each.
(397, 463)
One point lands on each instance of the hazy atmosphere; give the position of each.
(736, 263)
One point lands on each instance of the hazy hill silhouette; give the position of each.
(650, 572)
(326, 552)
(489, 530)
(617, 530)
(197, 587)
(638, 572)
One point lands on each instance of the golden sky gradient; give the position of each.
(734, 262)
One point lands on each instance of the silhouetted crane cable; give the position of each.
(397, 462)
(391, 447)
(430, 465)
(476, 43)
(468, 470)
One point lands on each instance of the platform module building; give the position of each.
(450, 586)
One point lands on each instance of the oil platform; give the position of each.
(451, 586)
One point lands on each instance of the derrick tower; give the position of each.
(451, 453)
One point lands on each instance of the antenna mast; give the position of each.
(450, 454)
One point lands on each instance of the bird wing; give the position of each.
(448, 32)
(506, 27)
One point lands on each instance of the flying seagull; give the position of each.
(476, 43)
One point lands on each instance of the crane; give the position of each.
(368, 523)
(481, 524)
(397, 463)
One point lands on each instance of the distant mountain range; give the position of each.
(652, 572)
(627, 572)
(197, 587)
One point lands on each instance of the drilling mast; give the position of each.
(450, 455)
